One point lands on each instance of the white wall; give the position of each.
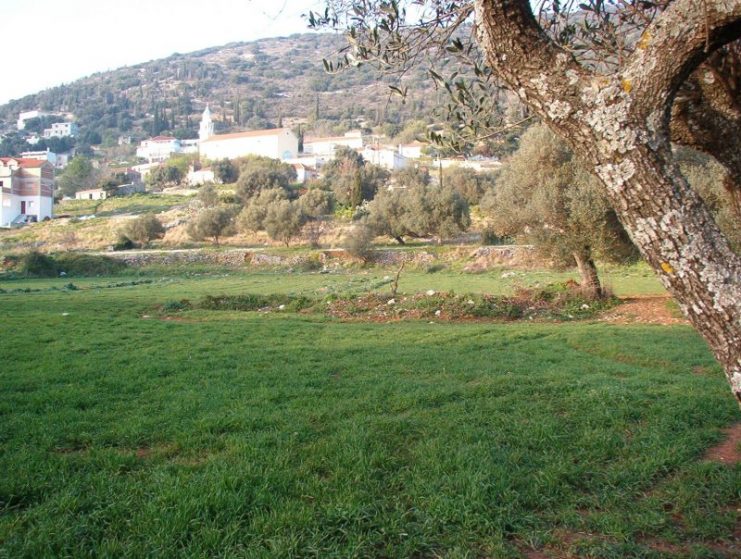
(387, 158)
(91, 195)
(274, 144)
(327, 146)
(9, 208)
(158, 151)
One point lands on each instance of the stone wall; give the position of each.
(475, 259)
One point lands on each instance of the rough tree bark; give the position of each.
(620, 124)
(588, 272)
(706, 115)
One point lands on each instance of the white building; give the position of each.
(63, 159)
(189, 146)
(62, 130)
(277, 143)
(47, 155)
(386, 157)
(412, 150)
(26, 190)
(91, 194)
(200, 177)
(478, 165)
(144, 169)
(28, 115)
(309, 161)
(304, 172)
(327, 146)
(130, 188)
(158, 149)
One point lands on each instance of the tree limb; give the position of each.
(673, 46)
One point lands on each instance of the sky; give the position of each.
(51, 42)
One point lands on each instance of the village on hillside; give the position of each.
(28, 191)
(433, 279)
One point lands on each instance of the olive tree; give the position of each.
(419, 210)
(469, 183)
(208, 196)
(546, 198)
(615, 114)
(225, 171)
(262, 173)
(351, 178)
(213, 223)
(80, 174)
(283, 220)
(272, 212)
(144, 229)
(252, 216)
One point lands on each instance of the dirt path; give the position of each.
(728, 451)
(644, 310)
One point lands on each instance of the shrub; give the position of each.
(283, 221)
(225, 171)
(252, 217)
(262, 173)
(359, 242)
(144, 229)
(88, 265)
(124, 243)
(253, 302)
(316, 203)
(208, 196)
(36, 264)
(312, 263)
(177, 306)
(212, 222)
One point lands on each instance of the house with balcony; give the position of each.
(62, 130)
(26, 190)
(159, 149)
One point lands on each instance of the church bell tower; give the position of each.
(207, 125)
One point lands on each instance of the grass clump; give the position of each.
(555, 302)
(73, 264)
(176, 306)
(254, 302)
(35, 264)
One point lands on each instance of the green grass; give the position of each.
(236, 434)
(134, 204)
(199, 280)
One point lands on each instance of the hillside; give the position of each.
(248, 85)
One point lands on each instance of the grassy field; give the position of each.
(134, 204)
(237, 434)
(198, 280)
(91, 233)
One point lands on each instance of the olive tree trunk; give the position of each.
(588, 272)
(619, 122)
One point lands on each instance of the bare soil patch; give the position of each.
(643, 310)
(727, 452)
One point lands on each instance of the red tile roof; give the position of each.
(26, 163)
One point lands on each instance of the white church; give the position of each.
(277, 143)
